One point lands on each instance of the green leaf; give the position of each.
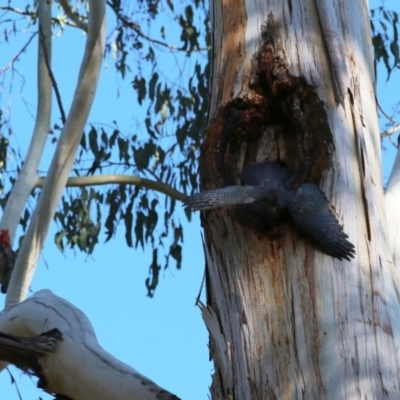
(143, 154)
(123, 148)
(82, 239)
(152, 281)
(128, 217)
(113, 200)
(104, 138)
(152, 86)
(58, 239)
(83, 141)
(140, 221)
(114, 137)
(139, 85)
(176, 252)
(93, 141)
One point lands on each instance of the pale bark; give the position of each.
(100, 180)
(390, 131)
(63, 158)
(79, 368)
(25, 182)
(285, 320)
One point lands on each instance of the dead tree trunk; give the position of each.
(293, 82)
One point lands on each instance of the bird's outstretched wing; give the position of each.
(309, 209)
(268, 186)
(266, 182)
(230, 195)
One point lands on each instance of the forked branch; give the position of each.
(64, 156)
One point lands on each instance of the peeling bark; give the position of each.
(25, 352)
(293, 82)
(77, 367)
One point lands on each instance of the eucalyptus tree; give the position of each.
(290, 83)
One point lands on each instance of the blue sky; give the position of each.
(163, 338)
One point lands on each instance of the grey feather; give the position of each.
(309, 208)
(268, 187)
(230, 195)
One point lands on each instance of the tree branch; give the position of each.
(51, 75)
(15, 58)
(72, 15)
(136, 28)
(122, 180)
(23, 186)
(33, 14)
(64, 157)
(24, 352)
(100, 377)
(390, 131)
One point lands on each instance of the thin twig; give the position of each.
(383, 112)
(135, 27)
(51, 75)
(15, 383)
(33, 15)
(18, 11)
(15, 58)
(390, 131)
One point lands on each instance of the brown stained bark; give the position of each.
(229, 37)
(286, 321)
(279, 118)
(26, 352)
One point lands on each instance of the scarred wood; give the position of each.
(297, 323)
(78, 367)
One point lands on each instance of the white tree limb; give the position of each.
(100, 376)
(390, 131)
(26, 179)
(98, 180)
(64, 156)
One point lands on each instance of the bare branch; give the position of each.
(24, 352)
(51, 75)
(16, 57)
(101, 376)
(136, 27)
(23, 186)
(33, 15)
(383, 111)
(390, 131)
(122, 180)
(18, 11)
(64, 157)
(15, 383)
